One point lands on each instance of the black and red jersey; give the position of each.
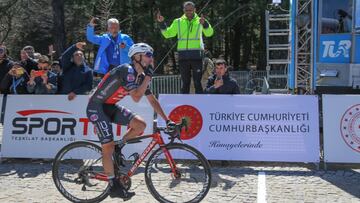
(116, 84)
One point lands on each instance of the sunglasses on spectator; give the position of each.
(2, 50)
(148, 54)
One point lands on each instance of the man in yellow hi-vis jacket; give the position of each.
(189, 29)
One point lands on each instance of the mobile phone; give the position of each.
(97, 21)
(218, 77)
(39, 73)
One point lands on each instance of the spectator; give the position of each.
(43, 81)
(221, 82)
(5, 62)
(114, 46)
(27, 59)
(30, 51)
(77, 77)
(15, 80)
(37, 56)
(188, 29)
(56, 68)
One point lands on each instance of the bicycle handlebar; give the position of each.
(175, 131)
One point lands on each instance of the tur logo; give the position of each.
(343, 49)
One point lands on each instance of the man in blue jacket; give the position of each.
(114, 46)
(77, 77)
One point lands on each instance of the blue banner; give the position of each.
(335, 48)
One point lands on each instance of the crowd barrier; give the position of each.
(253, 127)
(38, 126)
(341, 115)
(223, 127)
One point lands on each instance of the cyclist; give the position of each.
(126, 79)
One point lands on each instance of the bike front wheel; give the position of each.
(75, 171)
(178, 173)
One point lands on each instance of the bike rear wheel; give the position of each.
(74, 169)
(192, 179)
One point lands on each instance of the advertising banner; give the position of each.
(341, 128)
(253, 127)
(38, 126)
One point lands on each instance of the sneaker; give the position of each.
(117, 190)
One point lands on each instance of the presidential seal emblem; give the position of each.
(350, 127)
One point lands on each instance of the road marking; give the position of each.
(261, 193)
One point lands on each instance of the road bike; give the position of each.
(174, 171)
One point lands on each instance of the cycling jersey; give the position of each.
(102, 109)
(116, 84)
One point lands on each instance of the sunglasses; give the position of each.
(148, 54)
(218, 64)
(2, 50)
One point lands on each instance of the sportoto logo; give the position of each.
(53, 122)
(350, 127)
(27, 123)
(193, 118)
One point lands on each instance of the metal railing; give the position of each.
(166, 84)
(243, 78)
(171, 84)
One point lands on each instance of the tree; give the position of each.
(6, 19)
(239, 33)
(59, 26)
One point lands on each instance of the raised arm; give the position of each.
(90, 33)
(208, 30)
(65, 58)
(167, 32)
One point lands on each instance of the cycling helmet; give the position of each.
(140, 48)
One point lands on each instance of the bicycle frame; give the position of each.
(156, 140)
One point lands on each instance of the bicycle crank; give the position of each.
(125, 180)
